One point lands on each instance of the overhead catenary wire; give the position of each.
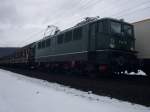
(131, 10)
(27, 39)
(86, 5)
(75, 9)
(120, 3)
(34, 35)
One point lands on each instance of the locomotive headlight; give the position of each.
(132, 46)
(132, 49)
(112, 43)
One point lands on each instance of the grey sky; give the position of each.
(24, 21)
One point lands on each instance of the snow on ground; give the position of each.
(23, 94)
(140, 72)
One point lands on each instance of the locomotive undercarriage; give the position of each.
(106, 62)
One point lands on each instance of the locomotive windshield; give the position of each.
(119, 28)
(127, 30)
(115, 27)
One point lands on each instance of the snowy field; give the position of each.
(23, 94)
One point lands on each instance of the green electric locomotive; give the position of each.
(93, 45)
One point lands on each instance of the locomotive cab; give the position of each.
(114, 45)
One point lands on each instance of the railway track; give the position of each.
(135, 89)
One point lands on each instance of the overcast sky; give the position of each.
(24, 21)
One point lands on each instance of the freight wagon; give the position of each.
(142, 34)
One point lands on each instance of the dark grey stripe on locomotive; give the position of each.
(84, 56)
(64, 57)
(78, 53)
(62, 54)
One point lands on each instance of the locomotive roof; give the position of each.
(78, 26)
(106, 18)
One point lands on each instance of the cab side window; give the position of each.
(60, 39)
(68, 36)
(43, 44)
(93, 29)
(48, 42)
(77, 34)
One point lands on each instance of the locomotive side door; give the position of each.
(92, 36)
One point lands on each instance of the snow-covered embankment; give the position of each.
(23, 94)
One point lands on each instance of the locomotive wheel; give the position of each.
(92, 74)
(106, 74)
